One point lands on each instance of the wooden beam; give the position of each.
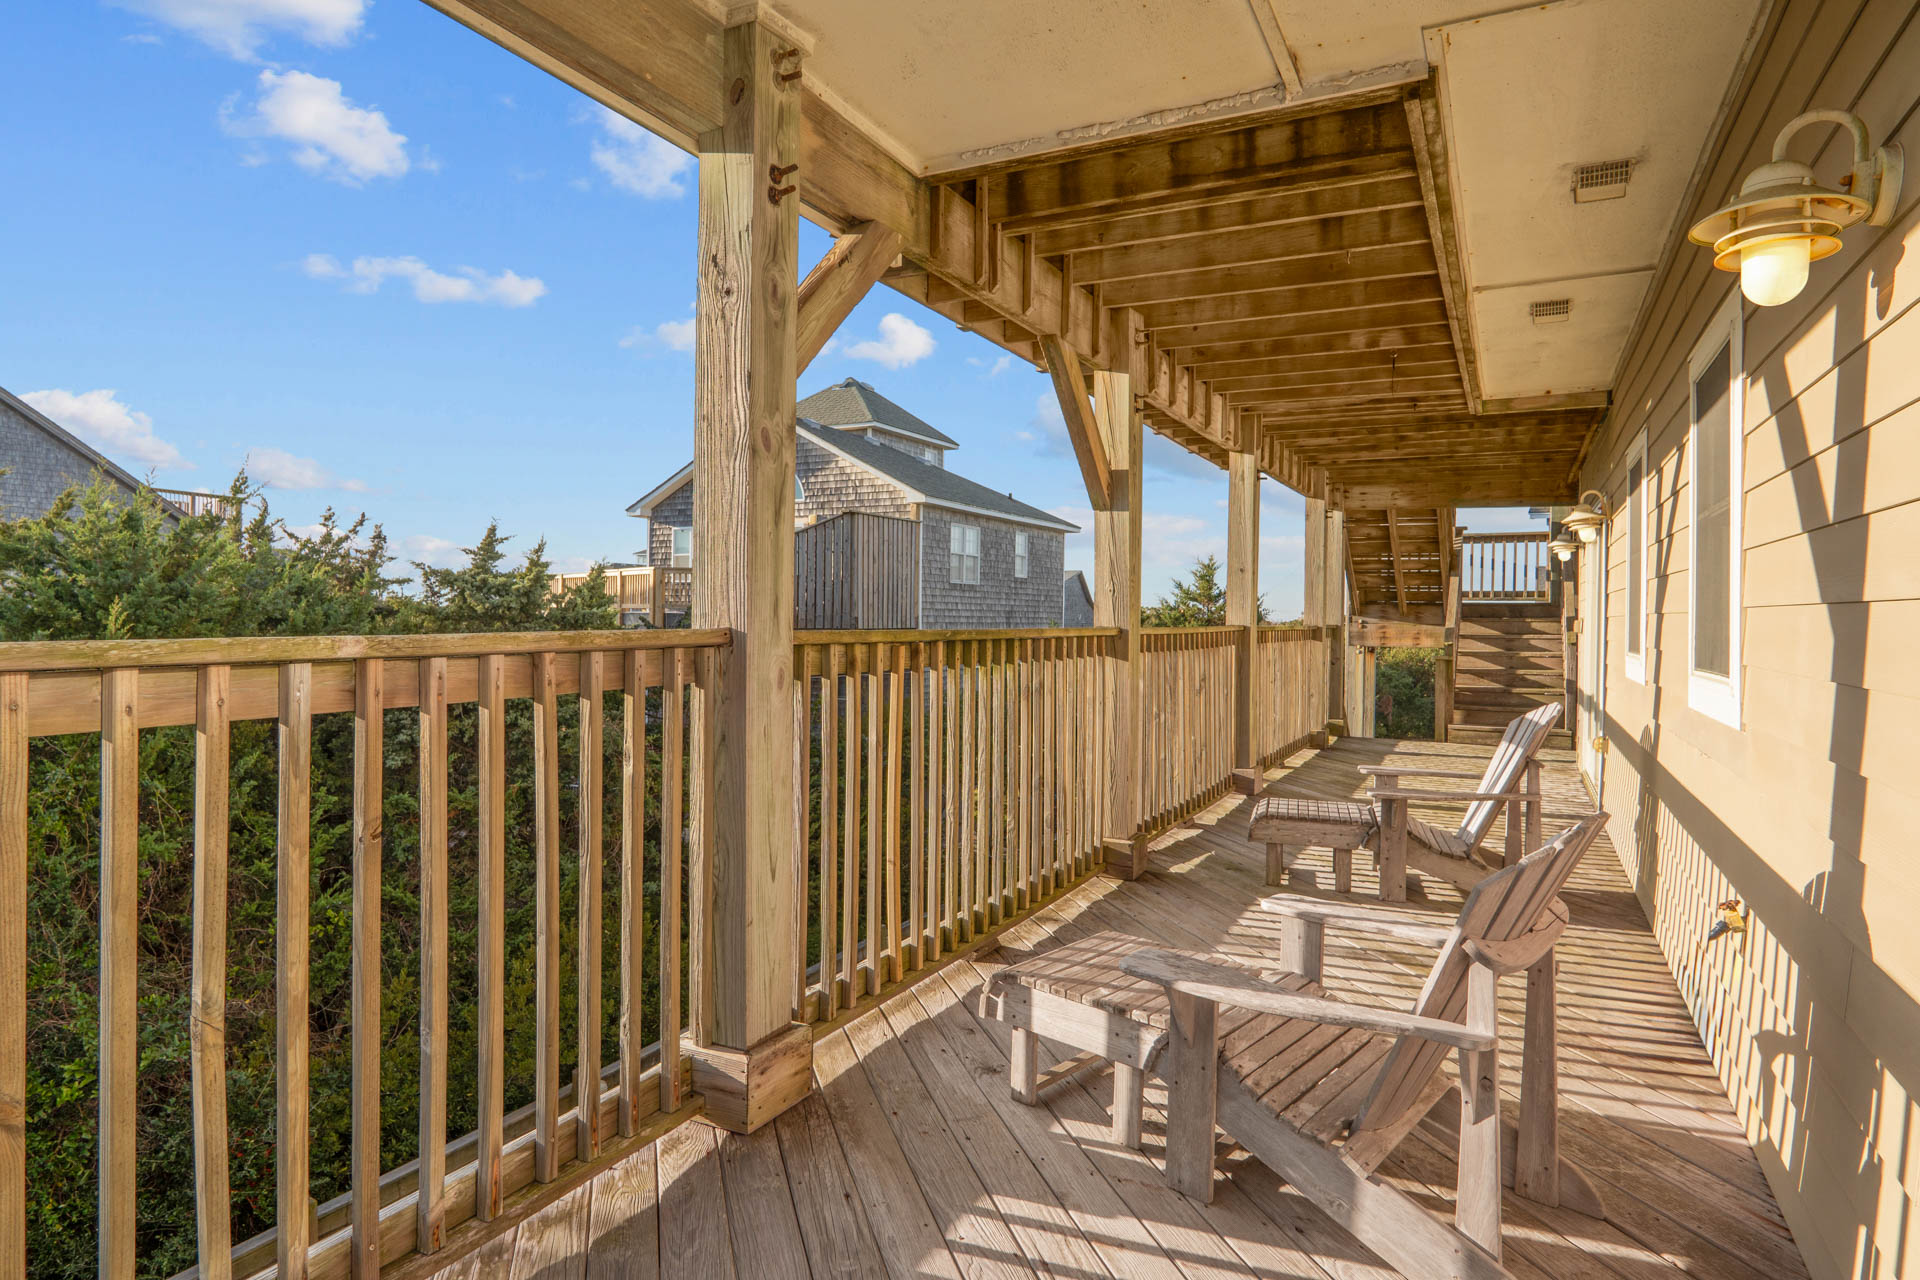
(743, 549)
(1283, 242)
(1367, 193)
(1429, 150)
(1089, 442)
(1399, 561)
(1243, 587)
(1268, 17)
(838, 282)
(1258, 336)
(1324, 266)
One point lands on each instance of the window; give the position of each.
(963, 554)
(1716, 381)
(1637, 506)
(683, 548)
(1020, 555)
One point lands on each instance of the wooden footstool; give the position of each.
(1280, 822)
(1077, 995)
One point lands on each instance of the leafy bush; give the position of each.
(1403, 682)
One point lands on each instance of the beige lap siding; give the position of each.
(1808, 811)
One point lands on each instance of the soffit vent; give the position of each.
(1550, 310)
(1605, 180)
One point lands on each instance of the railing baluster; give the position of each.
(850, 835)
(830, 834)
(936, 798)
(672, 819)
(291, 943)
(586, 1076)
(896, 677)
(633, 888)
(208, 1039)
(802, 808)
(917, 912)
(875, 690)
(369, 767)
(546, 892)
(492, 859)
(430, 1210)
(13, 973)
(119, 922)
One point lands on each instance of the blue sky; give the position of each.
(397, 270)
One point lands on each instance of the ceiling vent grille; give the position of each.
(1550, 310)
(1606, 180)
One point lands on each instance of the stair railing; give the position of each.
(1505, 566)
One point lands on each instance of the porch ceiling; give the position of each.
(1313, 224)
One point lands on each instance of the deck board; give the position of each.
(911, 1158)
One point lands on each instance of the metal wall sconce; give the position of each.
(1784, 219)
(1585, 519)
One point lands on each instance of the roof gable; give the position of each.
(855, 404)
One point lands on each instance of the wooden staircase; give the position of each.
(1510, 657)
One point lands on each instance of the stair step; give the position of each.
(1488, 736)
(1509, 626)
(1470, 610)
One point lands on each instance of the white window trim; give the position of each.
(969, 575)
(1022, 553)
(1636, 663)
(1708, 693)
(677, 558)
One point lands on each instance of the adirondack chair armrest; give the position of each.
(1225, 984)
(1386, 771)
(1399, 793)
(1360, 917)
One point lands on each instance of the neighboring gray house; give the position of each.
(1078, 610)
(42, 458)
(985, 559)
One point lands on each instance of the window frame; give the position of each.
(677, 558)
(1709, 692)
(1022, 554)
(1637, 629)
(963, 562)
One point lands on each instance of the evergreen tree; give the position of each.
(1199, 600)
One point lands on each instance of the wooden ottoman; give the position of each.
(1077, 995)
(1280, 822)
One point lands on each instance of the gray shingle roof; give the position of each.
(853, 402)
(940, 486)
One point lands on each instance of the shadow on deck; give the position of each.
(911, 1158)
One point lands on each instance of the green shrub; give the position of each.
(1403, 682)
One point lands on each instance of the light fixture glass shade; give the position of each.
(1563, 547)
(1588, 532)
(1774, 270)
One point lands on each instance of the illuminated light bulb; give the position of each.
(1774, 271)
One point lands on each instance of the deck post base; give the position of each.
(745, 1088)
(1248, 782)
(1126, 857)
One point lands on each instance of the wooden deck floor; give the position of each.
(910, 1159)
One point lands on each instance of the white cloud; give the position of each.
(637, 161)
(123, 434)
(278, 469)
(436, 552)
(470, 284)
(240, 27)
(901, 343)
(676, 335)
(330, 136)
(1046, 431)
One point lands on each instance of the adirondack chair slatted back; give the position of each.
(1504, 906)
(1518, 744)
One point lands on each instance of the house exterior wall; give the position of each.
(999, 599)
(38, 467)
(828, 485)
(1807, 812)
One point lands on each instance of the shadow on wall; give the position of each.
(1816, 1043)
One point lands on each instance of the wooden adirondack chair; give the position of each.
(1402, 842)
(1324, 1119)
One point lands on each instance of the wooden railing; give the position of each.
(1290, 690)
(519, 687)
(1504, 566)
(949, 781)
(195, 503)
(1186, 719)
(640, 591)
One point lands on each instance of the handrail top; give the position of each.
(1529, 535)
(934, 637)
(69, 655)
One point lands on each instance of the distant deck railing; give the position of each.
(950, 783)
(640, 592)
(1504, 566)
(195, 503)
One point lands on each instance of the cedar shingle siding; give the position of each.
(675, 511)
(1000, 599)
(39, 466)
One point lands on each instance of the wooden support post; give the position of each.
(119, 956)
(1243, 598)
(1536, 1165)
(14, 870)
(1116, 539)
(752, 1061)
(1325, 601)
